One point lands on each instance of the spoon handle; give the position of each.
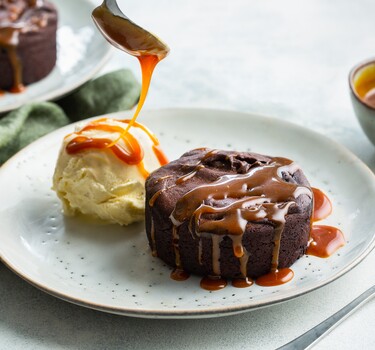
(113, 7)
(312, 336)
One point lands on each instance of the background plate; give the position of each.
(110, 268)
(81, 52)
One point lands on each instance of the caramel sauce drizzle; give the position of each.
(259, 194)
(148, 64)
(324, 241)
(132, 153)
(9, 40)
(160, 155)
(188, 176)
(322, 205)
(156, 196)
(18, 21)
(129, 37)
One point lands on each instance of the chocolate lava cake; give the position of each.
(27, 42)
(229, 214)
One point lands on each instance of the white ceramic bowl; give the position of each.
(365, 113)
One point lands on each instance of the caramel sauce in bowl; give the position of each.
(362, 91)
(362, 81)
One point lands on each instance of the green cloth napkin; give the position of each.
(112, 92)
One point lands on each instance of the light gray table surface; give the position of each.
(287, 59)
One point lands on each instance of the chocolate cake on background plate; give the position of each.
(228, 214)
(27, 42)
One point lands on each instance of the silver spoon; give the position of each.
(313, 335)
(124, 34)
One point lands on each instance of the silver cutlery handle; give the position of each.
(113, 7)
(311, 336)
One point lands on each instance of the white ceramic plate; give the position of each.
(81, 52)
(110, 268)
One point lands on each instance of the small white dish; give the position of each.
(364, 111)
(110, 268)
(81, 52)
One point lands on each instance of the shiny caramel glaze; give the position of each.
(129, 37)
(275, 277)
(16, 19)
(130, 153)
(324, 241)
(160, 155)
(261, 193)
(179, 275)
(322, 205)
(148, 63)
(213, 283)
(242, 282)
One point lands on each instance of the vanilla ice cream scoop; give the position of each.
(102, 167)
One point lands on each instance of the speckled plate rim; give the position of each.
(214, 311)
(65, 88)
